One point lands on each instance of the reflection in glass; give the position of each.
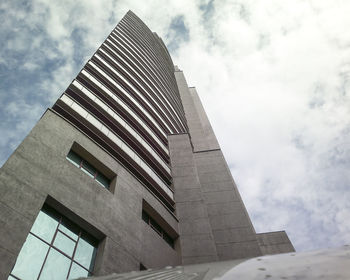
(88, 169)
(168, 239)
(56, 266)
(44, 226)
(155, 226)
(77, 271)
(74, 158)
(71, 230)
(65, 244)
(52, 228)
(85, 254)
(30, 259)
(104, 181)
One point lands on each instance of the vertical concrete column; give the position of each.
(196, 239)
(232, 229)
(197, 134)
(19, 206)
(233, 232)
(274, 243)
(211, 143)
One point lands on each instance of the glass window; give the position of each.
(55, 248)
(104, 181)
(30, 259)
(145, 217)
(45, 226)
(74, 158)
(77, 271)
(64, 243)
(88, 169)
(56, 266)
(157, 228)
(168, 239)
(69, 229)
(85, 253)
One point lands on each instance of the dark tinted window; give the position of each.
(157, 228)
(88, 169)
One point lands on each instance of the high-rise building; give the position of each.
(123, 173)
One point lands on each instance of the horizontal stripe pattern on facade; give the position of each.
(90, 126)
(126, 99)
(78, 92)
(125, 52)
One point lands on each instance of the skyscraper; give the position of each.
(124, 172)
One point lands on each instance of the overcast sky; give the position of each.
(273, 76)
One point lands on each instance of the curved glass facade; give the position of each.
(126, 99)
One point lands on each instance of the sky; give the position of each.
(273, 76)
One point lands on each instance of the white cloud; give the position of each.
(30, 66)
(279, 146)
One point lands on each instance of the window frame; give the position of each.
(94, 174)
(74, 228)
(158, 229)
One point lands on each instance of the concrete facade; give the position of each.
(163, 158)
(275, 243)
(38, 172)
(314, 265)
(222, 228)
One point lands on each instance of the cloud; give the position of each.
(177, 33)
(273, 77)
(277, 80)
(30, 66)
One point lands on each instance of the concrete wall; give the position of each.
(222, 209)
(201, 133)
(274, 243)
(196, 237)
(212, 221)
(38, 169)
(232, 229)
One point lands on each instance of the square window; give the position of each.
(55, 246)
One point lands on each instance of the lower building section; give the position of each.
(321, 264)
(64, 198)
(69, 209)
(213, 221)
